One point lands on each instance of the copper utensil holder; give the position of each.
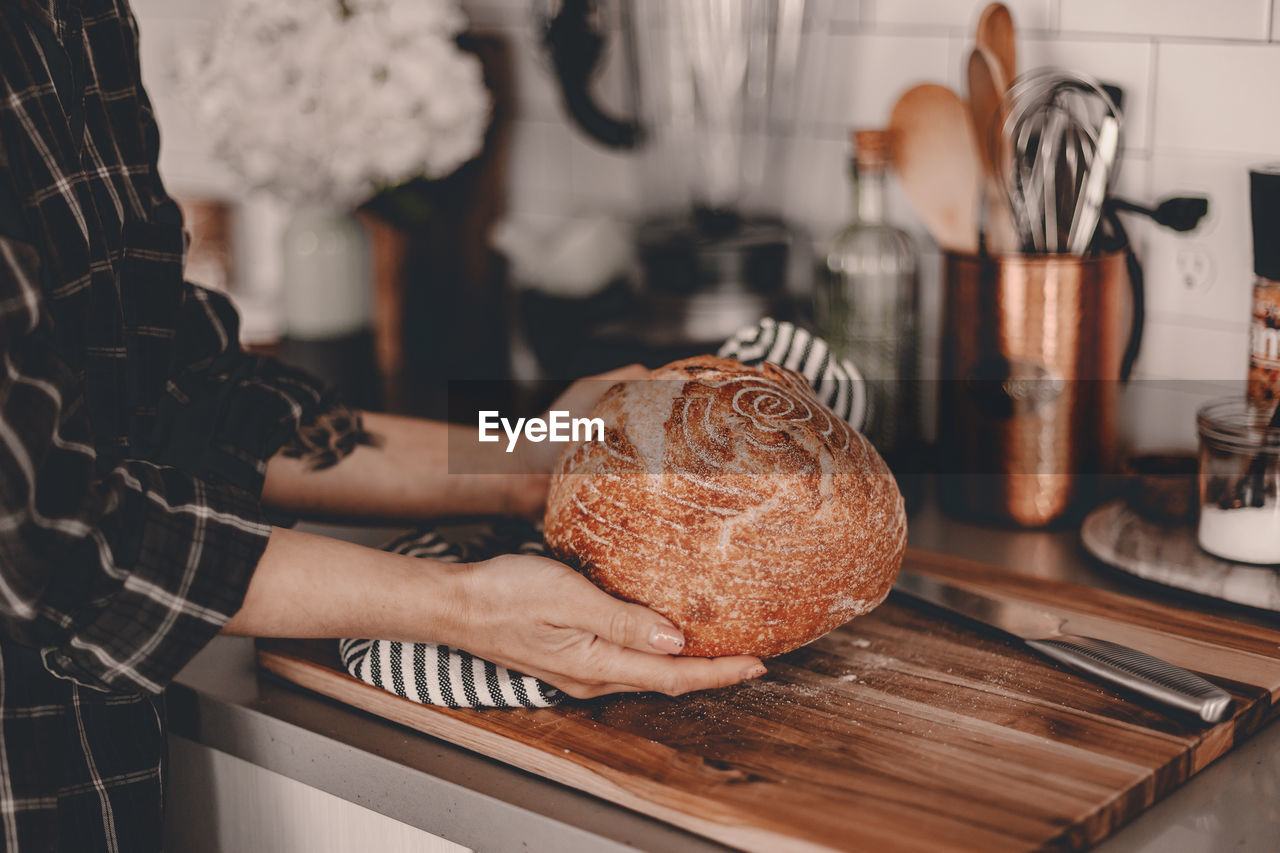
(1031, 353)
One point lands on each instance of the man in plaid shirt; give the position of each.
(139, 445)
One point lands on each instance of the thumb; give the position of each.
(624, 624)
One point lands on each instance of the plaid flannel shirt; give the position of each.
(133, 437)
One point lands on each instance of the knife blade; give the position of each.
(1044, 632)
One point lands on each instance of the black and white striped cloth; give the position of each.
(440, 675)
(836, 380)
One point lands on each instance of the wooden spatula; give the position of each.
(987, 85)
(937, 160)
(996, 34)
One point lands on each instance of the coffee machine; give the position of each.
(713, 82)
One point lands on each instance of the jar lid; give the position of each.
(1240, 424)
(1264, 193)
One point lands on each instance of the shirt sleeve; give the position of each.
(226, 412)
(120, 567)
(118, 576)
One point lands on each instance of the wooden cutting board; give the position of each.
(907, 729)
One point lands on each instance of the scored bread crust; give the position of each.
(730, 500)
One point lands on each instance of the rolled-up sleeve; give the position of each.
(119, 576)
(225, 412)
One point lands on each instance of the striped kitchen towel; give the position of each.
(440, 675)
(836, 380)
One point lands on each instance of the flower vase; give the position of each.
(326, 286)
(390, 247)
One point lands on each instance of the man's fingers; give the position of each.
(628, 625)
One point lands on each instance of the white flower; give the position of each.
(330, 100)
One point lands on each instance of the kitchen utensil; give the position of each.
(789, 38)
(987, 86)
(712, 82)
(576, 44)
(1028, 398)
(1088, 207)
(997, 35)
(936, 157)
(720, 39)
(1043, 631)
(1063, 130)
(713, 85)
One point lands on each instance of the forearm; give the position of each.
(414, 472)
(529, 614)
(314, 586)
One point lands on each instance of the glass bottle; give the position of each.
(867, 305)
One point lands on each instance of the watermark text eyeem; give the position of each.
(557, 426)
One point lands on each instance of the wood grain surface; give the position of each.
(907, 729)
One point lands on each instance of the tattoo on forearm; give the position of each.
(328, 438)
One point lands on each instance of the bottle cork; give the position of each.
(872, 149)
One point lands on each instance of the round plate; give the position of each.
(1117, 535)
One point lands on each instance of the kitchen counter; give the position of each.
(220, 701)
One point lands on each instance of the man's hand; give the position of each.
(540, 618)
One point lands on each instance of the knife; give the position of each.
(1042, 631)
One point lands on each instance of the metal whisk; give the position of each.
(1063, 132)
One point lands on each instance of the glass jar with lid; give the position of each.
(1239, 481)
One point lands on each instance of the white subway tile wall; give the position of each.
(1223, 19)
(1028, 14)
(1127, 64)
(1218, 97)
(865, 73)
(1199, 80)
(1213, 361)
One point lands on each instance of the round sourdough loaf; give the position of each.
(730, 500)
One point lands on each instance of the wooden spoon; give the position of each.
(986, 93)
(996, 34)
(937, 160)
(987, 85)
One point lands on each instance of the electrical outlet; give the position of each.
(1194, 266)
(1203, 277)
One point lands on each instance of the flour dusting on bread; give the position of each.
(729, 499)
